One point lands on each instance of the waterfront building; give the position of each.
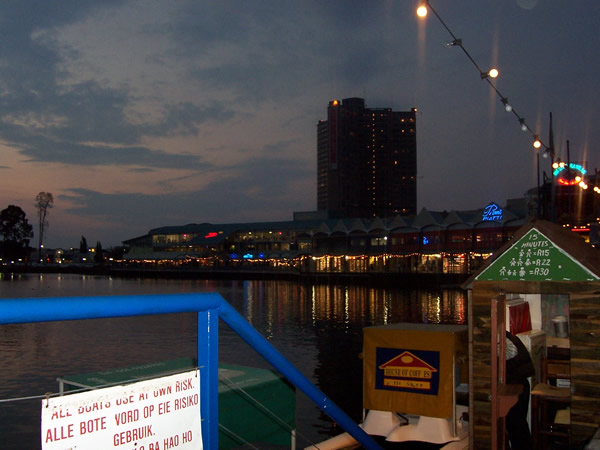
(366, 161)
(431, 242)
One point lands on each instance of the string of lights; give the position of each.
(487, 76)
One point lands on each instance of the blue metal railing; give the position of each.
(210, 308)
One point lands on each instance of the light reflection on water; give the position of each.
(317, 327)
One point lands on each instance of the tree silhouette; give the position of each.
(83, 246)
(98, 254)
(43, 202)
(15, 231)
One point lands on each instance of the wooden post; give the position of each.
(504, 396)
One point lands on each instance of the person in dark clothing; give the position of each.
(519, 367)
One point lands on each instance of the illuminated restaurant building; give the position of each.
(433, 242)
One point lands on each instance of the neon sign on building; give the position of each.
(492, 212)
(568, 174)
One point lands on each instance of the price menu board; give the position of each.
(534, 257)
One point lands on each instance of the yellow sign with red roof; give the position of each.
(408, 371)
(413, 368)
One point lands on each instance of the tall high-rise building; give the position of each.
(366, 160)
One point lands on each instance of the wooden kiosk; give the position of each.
(544, 283)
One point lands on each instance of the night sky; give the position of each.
(140, 114)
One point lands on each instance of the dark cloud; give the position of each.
(99, 155)
(269, 176)
(28, 64)
(56, 127)
(184, 119)
(49, 120)
(281, 49)
(258, 190)
(29, 15)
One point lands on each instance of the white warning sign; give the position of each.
(158, 414)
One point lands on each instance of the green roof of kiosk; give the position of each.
(542, 251)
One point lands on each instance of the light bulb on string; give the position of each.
(492, 73)
(422, 11)
(523, 124)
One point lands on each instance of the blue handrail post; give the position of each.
(208, 362)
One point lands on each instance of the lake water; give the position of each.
(318, 328)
